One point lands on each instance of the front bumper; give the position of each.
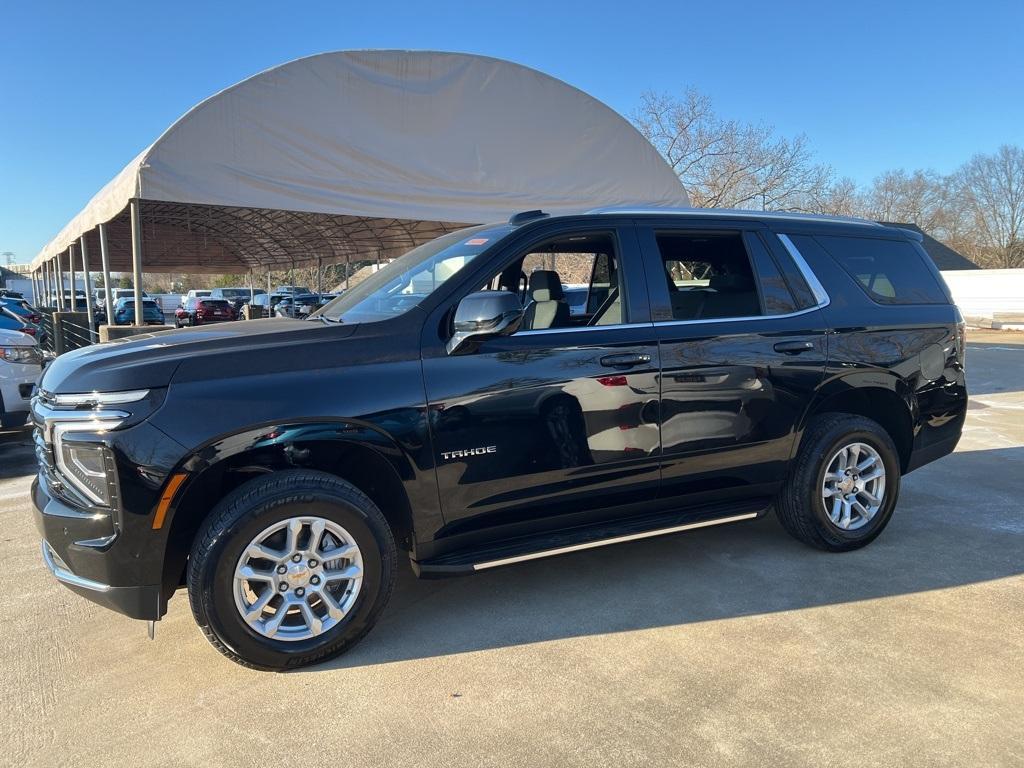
(81, 549)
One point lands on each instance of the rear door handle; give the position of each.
(794, 347)
(626, 360)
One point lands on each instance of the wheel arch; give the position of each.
(885, 399)
(357, 453)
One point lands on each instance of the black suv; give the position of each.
(452, 410)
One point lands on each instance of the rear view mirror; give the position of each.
(484, 315)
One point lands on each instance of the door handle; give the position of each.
(794, 347)
(626, 360)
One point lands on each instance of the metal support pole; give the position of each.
(46, 284)
(74, 275)
(87, 279)
(108, 296)
(137, 259)
(60, 284)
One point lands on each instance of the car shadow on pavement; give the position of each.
(945, 533)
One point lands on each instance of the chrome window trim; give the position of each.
(747, 318)
(577, 328)
(820, 294)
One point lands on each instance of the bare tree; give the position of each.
(729, 164)
(992, 190)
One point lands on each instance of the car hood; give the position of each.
(151, 360)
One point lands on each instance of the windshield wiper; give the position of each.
(328, 321)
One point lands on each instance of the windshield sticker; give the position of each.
(477, 241)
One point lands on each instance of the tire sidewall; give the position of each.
(216, 576)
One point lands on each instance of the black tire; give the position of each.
(799, 504)
(246, 511)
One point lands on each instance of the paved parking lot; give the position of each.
(728, 646)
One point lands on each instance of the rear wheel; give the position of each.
(844, 484)
(291, 569)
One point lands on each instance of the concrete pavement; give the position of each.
(727, 646)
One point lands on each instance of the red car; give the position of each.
(198, 311)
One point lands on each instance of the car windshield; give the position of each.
(405, 282)
(235, 293)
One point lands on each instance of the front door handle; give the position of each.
(626, 360)
(794, 347)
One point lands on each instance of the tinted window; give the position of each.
(708, 275)
(774, 290)
(889, 271)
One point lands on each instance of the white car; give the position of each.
(20, 366)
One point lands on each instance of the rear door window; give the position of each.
(889, 271)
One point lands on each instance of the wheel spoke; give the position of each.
(877, 473)
(861, 509)
(350, 572)
(870, 498)
(334, 610)
(256, 609)
(854, 454)
(844, 522)
(272, 624)
(837, 508)
(249, 573)
(345, 550)
(292, 535)
(311, 619)
(316, 532)
(867, 463)
(263, 552)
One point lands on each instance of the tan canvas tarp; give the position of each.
(392, 135)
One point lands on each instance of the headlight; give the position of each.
(88, 466)
(21, 355)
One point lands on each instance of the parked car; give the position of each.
(197, 294)
(292, 289)
(7, 293)
(734, 363)
(20, 366)
(198, 311)
(301, 305)
(80, 304)
(124, 312)
(11, 321)
(237, 297)
(116, 294)
(268, 301)
(21, 308)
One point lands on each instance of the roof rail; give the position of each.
(733, 213)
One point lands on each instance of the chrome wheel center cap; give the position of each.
(298, 575)
(846, 485)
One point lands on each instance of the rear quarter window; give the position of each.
(888, 271)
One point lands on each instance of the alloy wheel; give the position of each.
(298, 578)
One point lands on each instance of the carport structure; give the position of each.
(355, 155)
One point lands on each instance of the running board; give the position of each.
(508, 553)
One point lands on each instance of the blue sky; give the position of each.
(86, 85)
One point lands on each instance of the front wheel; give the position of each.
(843, 486)
(291, 569)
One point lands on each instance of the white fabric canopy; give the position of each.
(406, 135)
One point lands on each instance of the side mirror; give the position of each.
(485, 315)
